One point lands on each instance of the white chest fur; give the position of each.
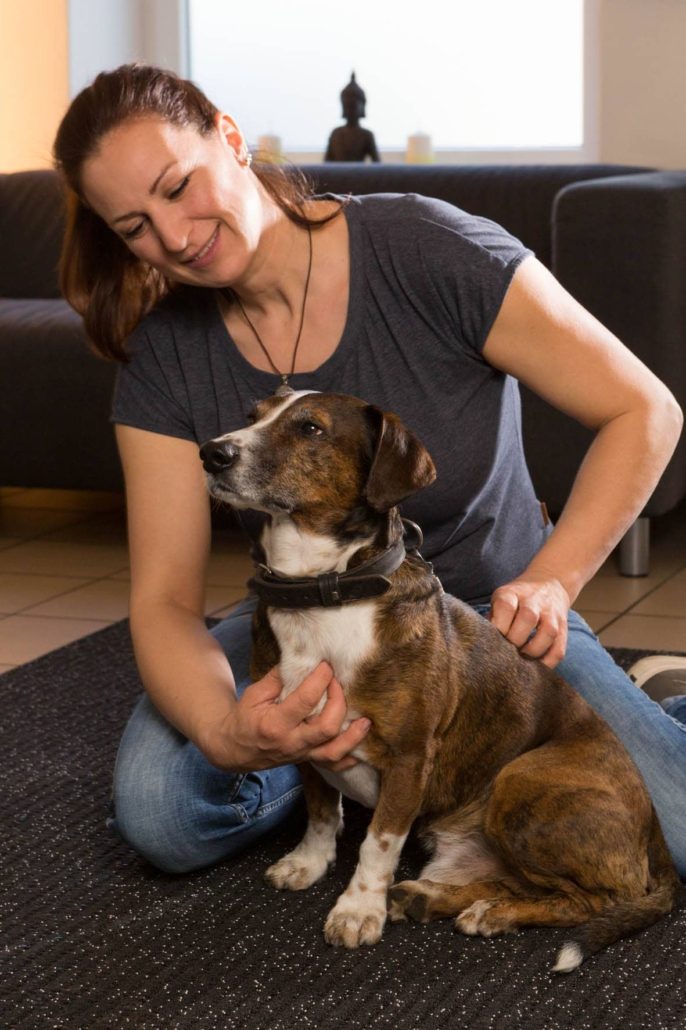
(344, 637)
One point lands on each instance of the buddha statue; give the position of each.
(350, 142)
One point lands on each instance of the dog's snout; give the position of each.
(217, 456)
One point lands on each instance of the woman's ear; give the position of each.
(232, 136)
(401, 464)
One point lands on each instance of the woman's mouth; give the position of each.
(206, 255)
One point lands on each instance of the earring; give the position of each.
(247, 160)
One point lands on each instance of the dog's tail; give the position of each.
(626, 917)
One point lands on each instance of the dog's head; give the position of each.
(318, 458)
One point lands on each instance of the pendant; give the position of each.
(283, 390)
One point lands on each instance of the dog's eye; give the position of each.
(310, 429)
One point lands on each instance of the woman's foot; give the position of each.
(662, 676)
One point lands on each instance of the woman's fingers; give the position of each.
(532, 615)
(336, 752)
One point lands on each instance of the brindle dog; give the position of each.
(534, 811)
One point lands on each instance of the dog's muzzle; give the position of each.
(218, 456)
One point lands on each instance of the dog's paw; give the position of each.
(351, 927)
(297, 871)
(472, 920)
(409, 898)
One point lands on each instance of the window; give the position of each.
(496, 74)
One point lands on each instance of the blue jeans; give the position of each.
(181, 813)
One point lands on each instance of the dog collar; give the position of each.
(333, 589)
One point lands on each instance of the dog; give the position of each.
(533, 811)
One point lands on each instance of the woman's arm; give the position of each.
(182, 666)
(545, 339)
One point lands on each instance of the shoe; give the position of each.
(660, 676)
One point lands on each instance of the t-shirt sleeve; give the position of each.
(466, 264)
(148, 391)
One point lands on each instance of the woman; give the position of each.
(404, 301)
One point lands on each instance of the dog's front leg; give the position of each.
(359, 915)
(316, 852)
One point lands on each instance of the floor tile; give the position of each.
(644, 632)
(108, 528)
(24, 637)
(64, 559)
(596, 620)
(229, 569)
(221, 613)
(615, 593)
(106, 599)
(668, 599)
(220, 599)
(69, 500)
(9, 541)
(29, 522)
(19, 590)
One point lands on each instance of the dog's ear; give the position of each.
(401, 464)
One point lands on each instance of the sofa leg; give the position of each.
(634, 549)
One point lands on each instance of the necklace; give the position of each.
(284, 387)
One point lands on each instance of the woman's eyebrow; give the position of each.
(151, 192)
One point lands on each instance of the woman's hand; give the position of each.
(261, 733)
(538, 606)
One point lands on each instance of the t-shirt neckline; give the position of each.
(268, 381)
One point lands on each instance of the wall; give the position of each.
(33, 80)
(106, 33)
(49, 49)
(642, 82)
(102, 34)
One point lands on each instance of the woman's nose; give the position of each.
(173, 232)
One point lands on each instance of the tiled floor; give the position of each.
(64, 574)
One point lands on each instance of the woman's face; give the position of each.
(184, 203)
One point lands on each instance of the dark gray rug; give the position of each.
(92, 937)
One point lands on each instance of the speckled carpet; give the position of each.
(94, 938)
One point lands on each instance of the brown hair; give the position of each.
(99, 275)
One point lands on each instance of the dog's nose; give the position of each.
(217, 457)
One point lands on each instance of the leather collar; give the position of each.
(333, 589)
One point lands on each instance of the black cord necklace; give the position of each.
(284, 387)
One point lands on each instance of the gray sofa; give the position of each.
(614, 236)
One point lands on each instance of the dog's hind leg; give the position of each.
(316, 852)
(424, 900)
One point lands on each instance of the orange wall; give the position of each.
(34, 80)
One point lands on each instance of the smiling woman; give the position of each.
(140, 152)
(224, 274)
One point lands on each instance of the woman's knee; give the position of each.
(148, 810)
(181, 813)
(154, 779)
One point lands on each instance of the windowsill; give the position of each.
(512, 156)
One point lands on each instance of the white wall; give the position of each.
(642, 79)
(106, 33)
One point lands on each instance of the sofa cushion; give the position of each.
(54, 398)
(518, 197)
(31, 228)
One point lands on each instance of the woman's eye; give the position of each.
(176, 193)
(310, 429)
(132, 234)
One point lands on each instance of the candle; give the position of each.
(419, 149)
(269, 148)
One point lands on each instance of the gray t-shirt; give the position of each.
(426, 283)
